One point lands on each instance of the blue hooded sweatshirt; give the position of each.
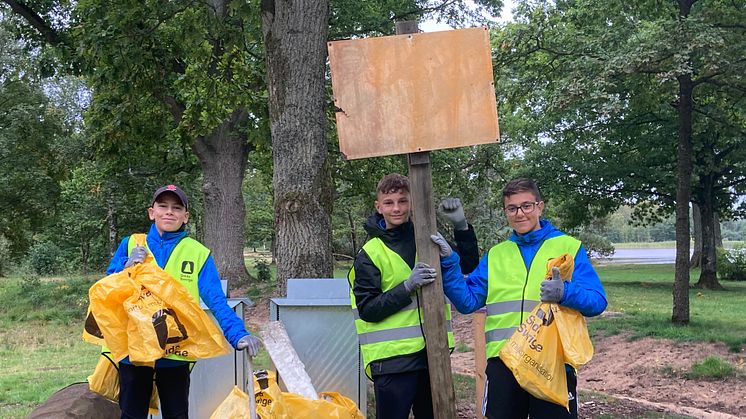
(583, 293)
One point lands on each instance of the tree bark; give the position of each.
(353, 235)
(718, 232)
(111, 220)
(696, 258)
(680, 312)
(223, 156)
(295, 34)
(708, 275)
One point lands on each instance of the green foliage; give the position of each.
(45, 258)
(585, 92)
(731, 263)
(595, 244)
(711, 367)
(257, 195)
(262, 271)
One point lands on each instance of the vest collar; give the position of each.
(533, 237)
(168, 237)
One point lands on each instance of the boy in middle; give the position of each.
(383, 283)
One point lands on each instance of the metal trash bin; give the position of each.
(213, 379)
(318, 319)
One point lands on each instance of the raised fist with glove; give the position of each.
(137, 255)
(552, 290)
(250, 343)
(422, 274)
(454, 212)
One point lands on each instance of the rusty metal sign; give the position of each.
(415, 92)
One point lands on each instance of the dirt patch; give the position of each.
(632, 378)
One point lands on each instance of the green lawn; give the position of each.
(643, 294)
(41, 323)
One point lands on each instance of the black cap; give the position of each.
(173, 189)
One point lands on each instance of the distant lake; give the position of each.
(640, 256)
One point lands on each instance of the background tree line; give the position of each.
(638, 105)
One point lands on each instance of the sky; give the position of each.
(432, 26)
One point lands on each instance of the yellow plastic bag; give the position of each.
(534, 355)
(573, 329)
(105, 381)
(268, 396)
(144, 313)
(577, 347)
(235, 406)
(272, 403)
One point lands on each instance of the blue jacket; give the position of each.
(584, 293)
(208, 283)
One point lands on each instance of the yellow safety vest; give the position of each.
(400, 333)
(512, 292)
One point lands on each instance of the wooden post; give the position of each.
(480, 356)
(453, 107)
(431, 296)
(432, 299)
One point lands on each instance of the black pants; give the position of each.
(136, 386)
(507, 400)
(397, 394)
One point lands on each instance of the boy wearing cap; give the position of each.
(190, 263)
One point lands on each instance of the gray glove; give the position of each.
(252, 344)
(445, 248)
(421, 274)
(454, 211)
(136, 256)
(552, 290)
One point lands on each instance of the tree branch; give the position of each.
(37, 22)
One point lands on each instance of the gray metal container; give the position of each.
(318, 319)
(212, 379)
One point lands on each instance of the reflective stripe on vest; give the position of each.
(400, 333)
(512, 292)
(184, 264)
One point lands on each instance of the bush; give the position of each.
(731, 264)
(45, 258)
(262, 271)
(595, 245)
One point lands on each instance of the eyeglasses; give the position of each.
(526, 207)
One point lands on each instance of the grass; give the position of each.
(643, 293)
(40, 344)
(711, 367)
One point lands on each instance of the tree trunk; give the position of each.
(708, 276)
(223, 156)
(718, 232)
(353, 235)
(295, 34)
(111, 219)
(680, 312)
(696, 258)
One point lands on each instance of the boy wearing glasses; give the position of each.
(509, 281)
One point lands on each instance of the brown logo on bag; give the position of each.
(160, 324)
(92, 327)
(546, 317)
